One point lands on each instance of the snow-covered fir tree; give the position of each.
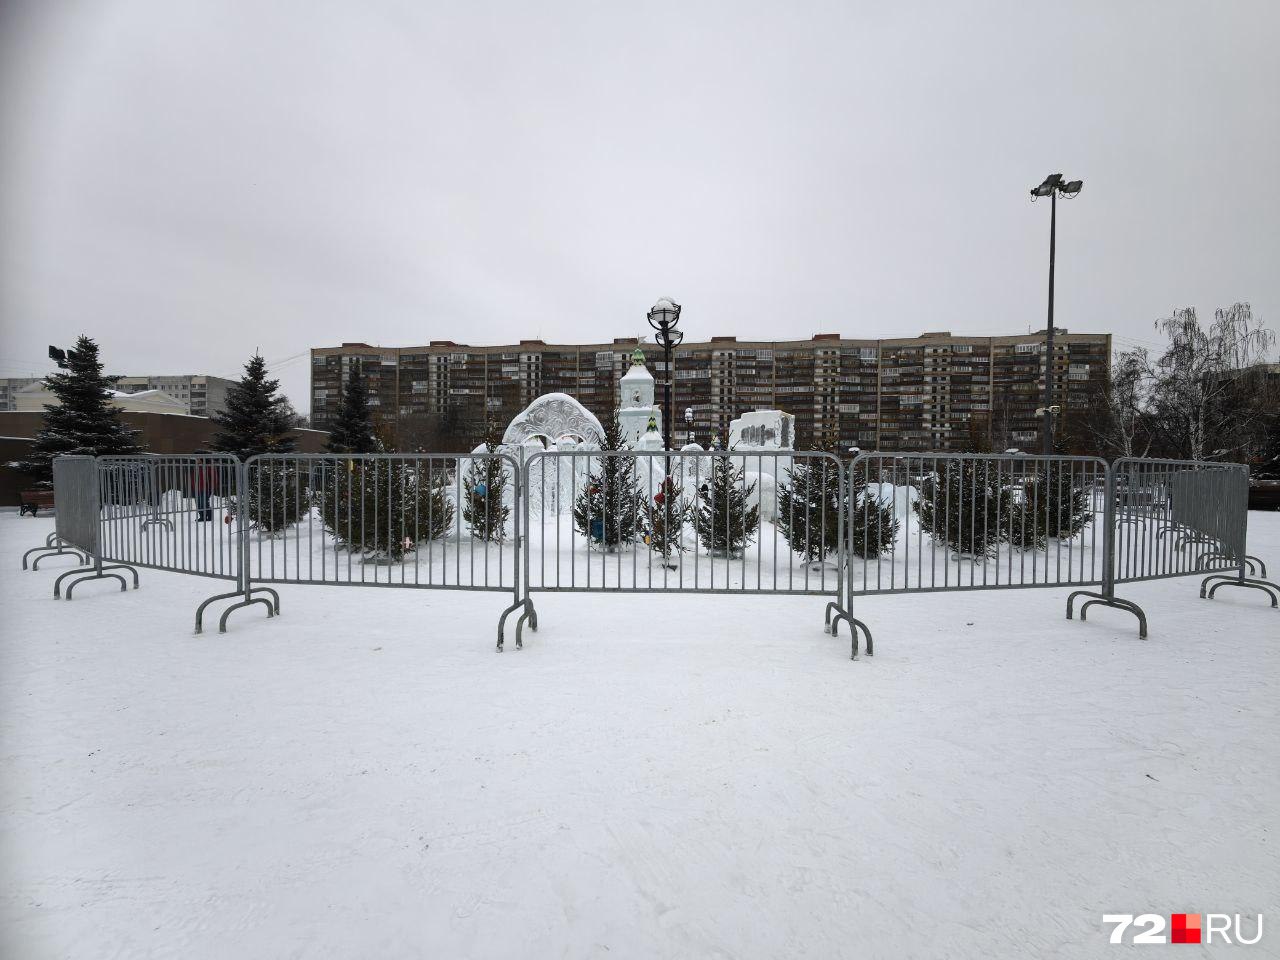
(666, 515)
(964, 506)
(809, 505)
(609, 507)
(83, 421)
(385, 507)
(484, 491)
(277, 496)
(352, 432)
(334, 486)
(874, 526)
(725, 520)
(1056, 502)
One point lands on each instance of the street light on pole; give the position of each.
(1052, 187)
(664, 318)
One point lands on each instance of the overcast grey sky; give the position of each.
(188, 181)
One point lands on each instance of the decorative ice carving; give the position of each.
(764, 493)
(551, 418)
(650, 440)
(635, 402)
(763, 430)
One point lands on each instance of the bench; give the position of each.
(32, 500)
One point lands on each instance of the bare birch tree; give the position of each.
(1207, 387)
(1117, 421)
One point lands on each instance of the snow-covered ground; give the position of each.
(691, 776)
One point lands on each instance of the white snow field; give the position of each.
(693, 776)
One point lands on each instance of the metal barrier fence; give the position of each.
(1015, 520)
(74, 478)
(75, 483)
(975, 522)
(1182, 517)
(73, 534)
(684, 522)
(423, 521)
(171, 513)
(707, 522)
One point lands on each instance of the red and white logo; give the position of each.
(1223, 928)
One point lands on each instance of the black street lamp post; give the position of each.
(1053, 186)
(664, 318)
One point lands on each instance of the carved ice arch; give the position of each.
(551, 418)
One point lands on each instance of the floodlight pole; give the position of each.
(1052, 186)
(1047, 429)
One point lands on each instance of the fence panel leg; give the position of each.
(93, 573)
(218, 596)
(96, 573)
(502, 620)
(275, 597)
(51, 551)
(124, 586)
(1107, 601)
(530, 615)
(222, 623)
(57, 584)
(1272, 590)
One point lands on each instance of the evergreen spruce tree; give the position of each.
(256, 419)
(83, 421)
(336, 494)
(353, 430)
(276, 496)
(725, 522)
(385, 508)
(609, 507)
(1056, 503)
(874, 524)
(964, 506)
(809, 506)
(484, 490)
(666, 516)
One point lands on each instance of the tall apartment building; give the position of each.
(932, 392)
(201, 395)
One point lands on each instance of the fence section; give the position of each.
(687, 522)
(383, 520)
(1178, 517)
(75, 488)
(171, 513)
(930, 522)
(684, 522)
